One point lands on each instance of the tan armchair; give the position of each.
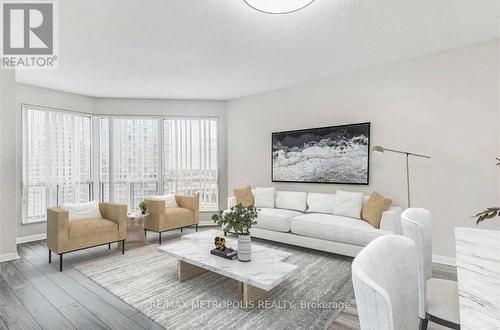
(65, 236)
(162, 219)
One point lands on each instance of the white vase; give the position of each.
(244, 248)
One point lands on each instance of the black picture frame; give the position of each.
(365, 125)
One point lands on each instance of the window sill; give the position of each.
(32, 222)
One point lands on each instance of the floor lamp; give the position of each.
(381, 149)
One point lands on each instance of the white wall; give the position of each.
(445, 105)
(176, 108)
(8, 188)
(44, 97)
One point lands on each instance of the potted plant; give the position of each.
(490, 212)
(239, 220)
(143, 206)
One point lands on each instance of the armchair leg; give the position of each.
(159, 238)
(50, 256)
(109, 246)
(123, 247)
(181, 229)
(423, 324)
(61, 262)
(196, 227)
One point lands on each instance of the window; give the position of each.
(135, 157)
(152, 156)
(190, 159)
(57, 160)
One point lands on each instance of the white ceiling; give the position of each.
(222, 49)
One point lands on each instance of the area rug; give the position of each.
(310, 299)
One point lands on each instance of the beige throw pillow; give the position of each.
(244, 196)
(375, 206)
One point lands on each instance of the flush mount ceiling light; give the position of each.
(278, 6)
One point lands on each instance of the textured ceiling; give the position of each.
(222, 49)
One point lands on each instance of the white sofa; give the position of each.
(293, 221)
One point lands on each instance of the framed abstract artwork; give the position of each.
(334, 154)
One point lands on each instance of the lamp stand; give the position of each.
(407, 154)
(408, 179)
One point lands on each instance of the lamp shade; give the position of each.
(378, 149)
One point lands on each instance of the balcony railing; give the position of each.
(131, 193)
(41, 195)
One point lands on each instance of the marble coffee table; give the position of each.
(259, 278)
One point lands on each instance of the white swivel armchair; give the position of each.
(438, 298)
(385, 280)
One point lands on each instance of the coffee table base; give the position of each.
(186, 271)
(251, 295)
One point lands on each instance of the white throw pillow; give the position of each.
(320, 203)
(264, 197)
(79, 211)
(169, 199)
(290, 200)
(348, 204)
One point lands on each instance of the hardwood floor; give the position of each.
(35, 295)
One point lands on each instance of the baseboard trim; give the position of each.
(9, 256)
(31, 238)
(445, 260)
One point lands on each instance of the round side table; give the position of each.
(135, 230)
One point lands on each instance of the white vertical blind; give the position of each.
(190, 159)
(135, 147)
(57, 160)
(104, 188)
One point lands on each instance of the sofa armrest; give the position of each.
(391, 220)
(57, 228)
(116, 213)
(155, 207)
(156, 210)
(190, 203)
(231, 201)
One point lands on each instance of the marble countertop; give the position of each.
(264, 271)
(478, 268)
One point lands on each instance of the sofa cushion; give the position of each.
(348, 204)
(90, 227)
(290, 200)
(244, 196)
(79, 211)
(373, 209)
(264, 197)
(335, 228)
(275, 219)
(320, 203)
